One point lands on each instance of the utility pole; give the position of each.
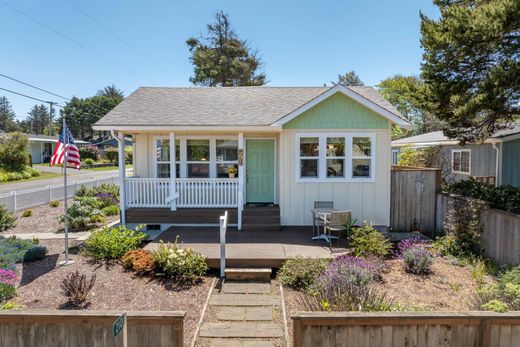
(51, 112)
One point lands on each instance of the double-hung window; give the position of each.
(162, 158)
(197, 158)
(335, 157)
(226, 156)
(461, 161)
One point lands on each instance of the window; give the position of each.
(361, 157)
(395, 156)
(227, 156)
(162, 158)
(197, 158)
(309, 156)
(461, 161)
(323, 157)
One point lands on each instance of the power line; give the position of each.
(32, 86)
(68, 38)
(30, 97)
(117, 37)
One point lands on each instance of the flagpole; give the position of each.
(65, 159)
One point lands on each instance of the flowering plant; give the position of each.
(231, 170)
(7, 277)
(183, 264)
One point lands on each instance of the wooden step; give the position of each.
(248, 274)
(261, 227)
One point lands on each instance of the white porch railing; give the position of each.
(192, 192)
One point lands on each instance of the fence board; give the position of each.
(378, 329)
(89, 328)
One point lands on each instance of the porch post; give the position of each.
(122, 174)
(173, 172)
(241, 179)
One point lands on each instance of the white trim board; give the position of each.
(351, 94)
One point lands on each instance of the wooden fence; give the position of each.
(399, 329)
(413, 198)
(500, 229)
(89, 328)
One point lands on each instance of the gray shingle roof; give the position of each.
(219, 106)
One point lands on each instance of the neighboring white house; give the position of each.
(42, 146)
(291, 146)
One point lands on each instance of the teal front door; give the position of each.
(260, 171)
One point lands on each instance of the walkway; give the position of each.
(243, 314)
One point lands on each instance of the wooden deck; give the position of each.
(249, 248)
(181, 216)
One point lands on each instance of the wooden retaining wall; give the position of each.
(400, 329)
(500, 229)
(89, 328)
(413, 198)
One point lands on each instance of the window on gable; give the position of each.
(460, 161)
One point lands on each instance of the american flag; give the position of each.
(69, 146)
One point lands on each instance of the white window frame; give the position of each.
(322, 158)
(183, 162)
(395, 154)
(459, 172)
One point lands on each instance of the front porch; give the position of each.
(254, 248)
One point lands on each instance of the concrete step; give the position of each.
(248, 274)
(233, 342)
(241, 329)
(246, 288)
(245, 313)
(246, 300)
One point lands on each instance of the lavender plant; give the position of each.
(348, 269)
(417, 260)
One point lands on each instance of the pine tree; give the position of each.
(349, 79)
(222, 59)
(37, 121)
(7, 116)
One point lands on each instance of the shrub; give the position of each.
(14, 153)
(107, 199)
(300, 273)
(110, 210)
(7, 219)
(54, 203)
(89, 162)
(367, 241)
(7, 291)
(102, 189)
(113, 243)
(12, 250)
(417, 260)
(111, 153)
(76, 288)
(11, 305)
(511, 276)
(140, 261)
(129, 154)
(348, 269)
(27, 213)
(183, 264)
(413, 242)
(83, 212)
(495, 306)
(35, 253)
(89, 152)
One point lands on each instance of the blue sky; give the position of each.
(302, 43)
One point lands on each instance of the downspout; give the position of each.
(120, 138)
(498, 163)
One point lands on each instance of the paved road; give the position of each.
(72, 176)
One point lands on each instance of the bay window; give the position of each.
(335, 157)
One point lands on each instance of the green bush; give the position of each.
(495, 306)
(82, 213)
(182, 264)
(14, 153)
(102, 189)
(27, 213)
(511, 276)
(7, 291)
(367, 241)
(89, 161)
(129, 154)
(35, 253)
(113, 243)
(300, 273)
(12, 250)
(7, 219)
(89, 152)
(54, 203)
(110, 210)
(111, 153)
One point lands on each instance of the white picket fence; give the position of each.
(20, 200)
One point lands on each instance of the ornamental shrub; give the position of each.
(183, 264)
(89, 152)
(495, 305)
(412, 242)
(83, 213)
(14, 153)
(113, 243)
(76, 288)
(367, 241)
(140, 261)
(7, 219)
(101, 189)
(106, 199)
(35, 253)
(89, 162)
(300, 273)
(110, 210)
(111, 153)
(7, 291)
(27, 213)
(417, 260)
(511, 276)
(348, 269)
(129, 154)
(12, 251)
(54, 203)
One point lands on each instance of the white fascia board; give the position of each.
(168, 128)
(353, 95)
(425, 144)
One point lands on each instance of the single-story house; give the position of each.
(42, 146)
(477, 160)
(111, 142)
(289, 146)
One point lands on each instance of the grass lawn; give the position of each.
(42, 176)
(108, 168)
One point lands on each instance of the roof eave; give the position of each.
(214, 128)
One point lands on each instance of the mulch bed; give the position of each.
(115, 288)
(44, 219)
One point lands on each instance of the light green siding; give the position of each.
(338, 112)
(511, 163)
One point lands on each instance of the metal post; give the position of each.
(65, 219)
(223, 227)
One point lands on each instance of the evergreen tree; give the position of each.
(222, 59)
(7, 116)
(349, 79)
(472, 65)
(37, 121)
